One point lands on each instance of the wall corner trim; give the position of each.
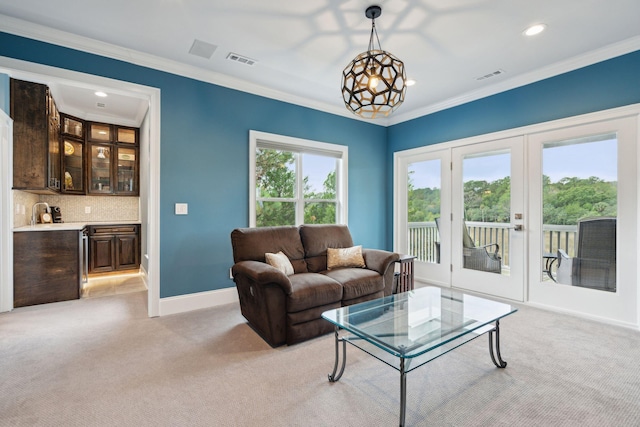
(197, 301)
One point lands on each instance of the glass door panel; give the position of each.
(424, 186)
(100, 169)
(72, 127)
(127, 170)
(126, 136)
(487, 226)
(486, 211)
(100, 132)
(580, 201)
(73, 166)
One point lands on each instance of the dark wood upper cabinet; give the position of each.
(112, 159)
(54, 152)
(36, 133)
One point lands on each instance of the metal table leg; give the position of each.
(498, 362)
(403, 392)
(332, 376)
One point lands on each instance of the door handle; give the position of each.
(518, 227)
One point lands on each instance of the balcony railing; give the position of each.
(423, 235)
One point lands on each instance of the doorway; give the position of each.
(149, 173)
(500, 214)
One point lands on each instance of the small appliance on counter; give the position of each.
(56, 215)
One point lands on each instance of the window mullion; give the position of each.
(299, 196)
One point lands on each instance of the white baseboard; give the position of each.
(197, 301)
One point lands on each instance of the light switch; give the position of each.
(87, 209)
(182, 208)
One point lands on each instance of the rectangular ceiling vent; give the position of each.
(202, 49)
(101, 105)
(488, 76)
(241, 59)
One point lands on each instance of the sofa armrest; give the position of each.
(379, 260)
(262, 273)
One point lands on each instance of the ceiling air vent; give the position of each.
(488, 76)
(241, 59)
(101, 105)
(202, 49)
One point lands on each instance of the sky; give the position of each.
(317, 168)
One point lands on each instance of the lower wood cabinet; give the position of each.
(46, 266)
(114, 248)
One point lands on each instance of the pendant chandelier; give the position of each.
(373, 84)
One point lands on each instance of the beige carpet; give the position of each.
(102, 362)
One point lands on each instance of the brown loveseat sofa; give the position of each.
(287, 309)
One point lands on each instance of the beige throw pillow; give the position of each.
(280, 261)
(345, 257)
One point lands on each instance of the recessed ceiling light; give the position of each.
(535, 29)
(410, 82)
(101, 94)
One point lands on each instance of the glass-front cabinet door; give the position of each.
(100, 165)
(100, 132)
(72, 148)
(72, 127)
(72, 166)
(53, 170)
(126, 135)
(126, 170)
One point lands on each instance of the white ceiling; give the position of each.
(301, 47)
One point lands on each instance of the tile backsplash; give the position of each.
(74, 208)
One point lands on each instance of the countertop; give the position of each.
(61, 226)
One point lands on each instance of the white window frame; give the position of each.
(302, 146)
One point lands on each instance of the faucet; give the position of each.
(34, 210)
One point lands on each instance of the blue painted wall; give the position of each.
(601, 86)
(204, 162)
(608, 84)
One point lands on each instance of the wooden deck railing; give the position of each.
(423, 235)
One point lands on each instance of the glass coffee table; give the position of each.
(410, 329)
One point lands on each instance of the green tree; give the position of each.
(275, 178)
(321, 212)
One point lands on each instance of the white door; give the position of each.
(6, 207)
(423, 196)
(583, 223)
(488, 219)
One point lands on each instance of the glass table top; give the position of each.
(421, 321)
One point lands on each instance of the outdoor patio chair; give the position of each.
(476, 257)
(479, 257)
(594, 265)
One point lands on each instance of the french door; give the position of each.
(423, 197)
(546, 214)
(487, 220)
(583, 228)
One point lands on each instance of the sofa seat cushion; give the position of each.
(356, 282)
(312, 290)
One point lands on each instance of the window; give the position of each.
(295, 181)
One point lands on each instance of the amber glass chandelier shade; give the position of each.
(373, 84)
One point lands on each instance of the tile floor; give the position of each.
(101, 286)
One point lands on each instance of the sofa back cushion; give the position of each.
(250, 244)
(317, 238)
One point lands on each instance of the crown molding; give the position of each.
(45, 34)
(49, 35)
(570, 64)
